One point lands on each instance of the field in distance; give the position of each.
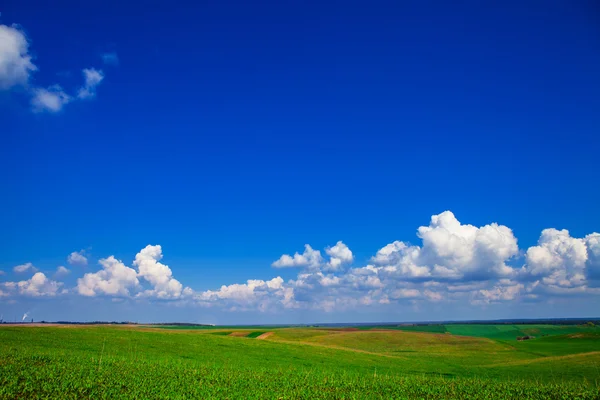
(426, 362)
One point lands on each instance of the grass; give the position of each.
(124, 362)
(499, 331)
(254, 335)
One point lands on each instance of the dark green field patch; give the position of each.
(254, 335)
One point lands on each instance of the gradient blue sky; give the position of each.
(230, 133)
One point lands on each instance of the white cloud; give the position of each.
(555, 250)
(158, 274)
(62, 271)
(592, 241)
(455, 262)
(27, 267)
(255, 294)
(51, 99)
(15, 60)
(561, 263)
(499, 293)
(110, 58)
(452, 250)
(77, 258)
(339, 254)
(16, 68)
(92, 77)
(1, 272)
(114, 279)
(309, 259)
(38, 286)
(558, 259)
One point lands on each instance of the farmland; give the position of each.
(433, 362)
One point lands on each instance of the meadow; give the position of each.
(406, 362)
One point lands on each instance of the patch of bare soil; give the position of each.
(265, 335)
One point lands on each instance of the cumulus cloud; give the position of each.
(38, 286)
(62, 271)
(77, 258)
(309, 259)
(592, 242)
(92, 77)
(15, 60)
(339, 254)
(560, 263)
(451, 251)
(254, 294)
(158, 274)
(114, 279)
(453, 262)
(27, 267)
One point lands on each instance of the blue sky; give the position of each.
(232, 133)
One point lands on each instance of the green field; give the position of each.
(141, 362)
(498, 331)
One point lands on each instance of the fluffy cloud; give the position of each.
(454, 262)
(451, 251)
(77, 258)
(339, 254)
(562, 264)
(158, 274)
(117, 279)
(16, 68)
(15, 60)
(255, 294)
(309, 259)
(556, 250)
(38, 286)
(27, 267)
(592, 241)
(114, 279)
(51, 99)
(62, 271)
(92, 77)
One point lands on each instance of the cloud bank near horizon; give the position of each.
(454, 262)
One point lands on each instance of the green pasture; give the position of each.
(131, 362)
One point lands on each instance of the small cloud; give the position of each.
(38, 286)
(110, 58)
(1, 272)
(24, 268)
(15, 60)
(52, 99)
(62, 271)
(16, 68)
(77, 258)
(310, 259)
(93, 77)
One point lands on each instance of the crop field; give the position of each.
(478, 362)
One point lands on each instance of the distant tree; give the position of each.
(590, 324)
